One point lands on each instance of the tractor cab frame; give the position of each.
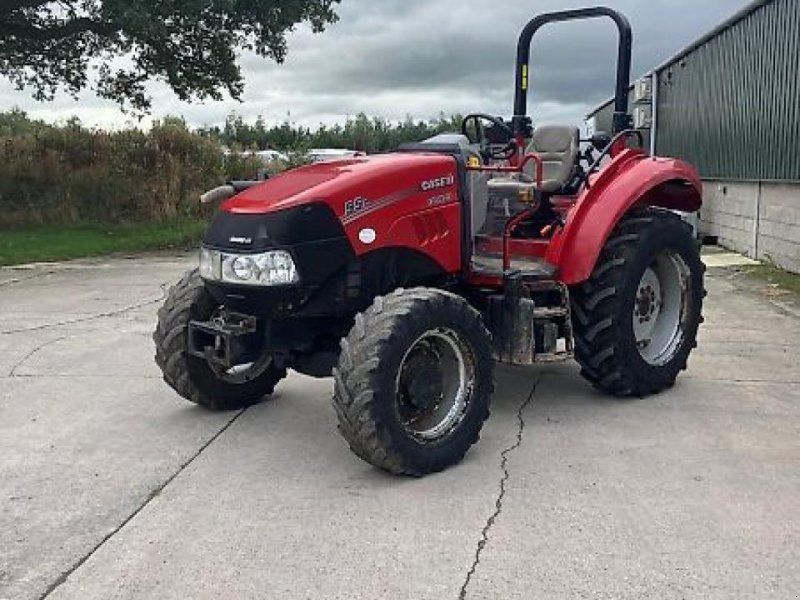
(527, 195)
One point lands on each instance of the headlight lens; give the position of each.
(239, 268)
(269, 268)
(207, 270)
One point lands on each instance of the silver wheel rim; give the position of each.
(441, 412)
(660, 308)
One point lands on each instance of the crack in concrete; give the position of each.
(78, 376)
(750, 343)
(112, 313)
(153, 494)
(22, 279)
(743, 381)
(24, 359)
(498, 503)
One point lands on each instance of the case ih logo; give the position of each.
(439, 182)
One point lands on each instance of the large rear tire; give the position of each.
(193, 377)
(414, 380)
(635, 320)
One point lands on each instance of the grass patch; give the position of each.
(49, 243)
(776, 277)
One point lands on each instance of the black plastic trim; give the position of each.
(301, 224)
(622, 119)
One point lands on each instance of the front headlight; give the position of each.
(275, 267)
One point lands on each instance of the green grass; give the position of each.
(776, 277)
(49, 243)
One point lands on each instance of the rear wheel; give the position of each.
(194, 378)
(636, 318)
(414, 379)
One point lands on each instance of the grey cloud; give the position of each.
(423, 57)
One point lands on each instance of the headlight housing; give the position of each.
(275, 267)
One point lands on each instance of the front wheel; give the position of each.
(414, 379)
(635, 320)
(194, 378)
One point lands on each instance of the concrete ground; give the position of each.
(113, 487)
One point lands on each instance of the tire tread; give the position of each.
(357, 378)
(172, 357)
(595, 307)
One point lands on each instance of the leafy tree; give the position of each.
(15, 122)
(192, 45)
(370, 134)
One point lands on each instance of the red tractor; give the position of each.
(407, 275)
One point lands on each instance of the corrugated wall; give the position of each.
(732, 106)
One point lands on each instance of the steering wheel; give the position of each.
(489, 150)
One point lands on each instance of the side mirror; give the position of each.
(600, 140)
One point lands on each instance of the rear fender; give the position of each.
(630, 180)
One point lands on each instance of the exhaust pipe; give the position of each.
(223, 192)
(218, 194)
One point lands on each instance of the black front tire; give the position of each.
(603, 307)
(366, 380)
(190, 376)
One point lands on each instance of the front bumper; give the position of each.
(311, 234)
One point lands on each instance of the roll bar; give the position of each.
(622, 119)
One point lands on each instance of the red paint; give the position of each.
(435, 232)
(393, 180)
(511, 227)
(403, 214)
(630, 179)
(517, 247)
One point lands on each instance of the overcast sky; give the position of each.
(394, 58)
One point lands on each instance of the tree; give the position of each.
(192, 45)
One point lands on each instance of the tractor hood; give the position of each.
(328, 213)
(346, 186)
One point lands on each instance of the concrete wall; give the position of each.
(759, 219)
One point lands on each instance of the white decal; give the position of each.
(355, 205)
(439, 182)
(367, 236)
(439, 200)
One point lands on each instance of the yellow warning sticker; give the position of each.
(524, 77)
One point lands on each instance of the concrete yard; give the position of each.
(113, 487)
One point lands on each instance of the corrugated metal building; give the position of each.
(730, 104)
